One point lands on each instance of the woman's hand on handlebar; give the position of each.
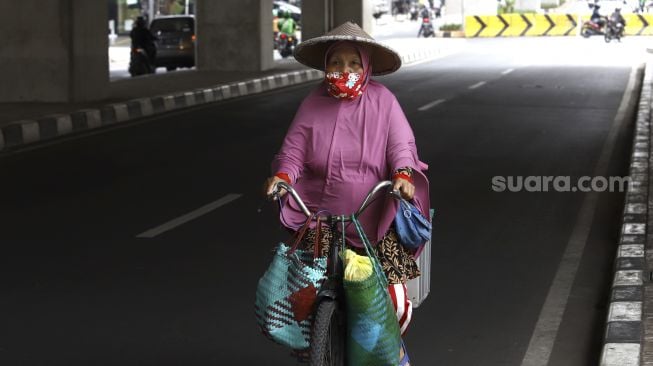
(270, 184)
(406, 188)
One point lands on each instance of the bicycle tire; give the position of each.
(328, 335)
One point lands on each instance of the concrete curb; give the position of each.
(623, 340)
(17, 134)
(450, 34)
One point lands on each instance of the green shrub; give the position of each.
(451, 27)
(508, 8)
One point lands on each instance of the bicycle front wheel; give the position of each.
(328, 335)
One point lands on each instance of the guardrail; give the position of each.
(538, 25)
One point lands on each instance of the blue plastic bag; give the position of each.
(413, 229)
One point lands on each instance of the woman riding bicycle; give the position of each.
(348, 134)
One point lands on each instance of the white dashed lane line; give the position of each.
(506, 72)
(189, 216)
(478, 85)
(431, 105)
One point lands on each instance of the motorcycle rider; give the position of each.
(287, 25)
(141, 37)
(617, 20)
(426, 29)
(596, 16)
(287, 28)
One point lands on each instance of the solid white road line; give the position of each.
(546, 328)
(477, 85)
(506, 72)
(189, 216)
(431, 105)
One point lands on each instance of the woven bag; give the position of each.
(373, 337)
(286, 293)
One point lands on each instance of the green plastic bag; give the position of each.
(373, 337)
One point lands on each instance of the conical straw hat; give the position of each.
(311, 52)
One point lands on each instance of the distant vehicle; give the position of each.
(607, 6)
(286, 44)
(379, 7)
(594, 28)
(613, 30)
(175, 46)
(295, 12)
(426, 30)
(139, 62)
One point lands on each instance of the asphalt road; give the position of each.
(79, 288)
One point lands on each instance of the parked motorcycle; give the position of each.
(286, 44)
(614, 30)
(594, 28)
(139, 62)
(426, 29)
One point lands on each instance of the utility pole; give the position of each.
(187, 1)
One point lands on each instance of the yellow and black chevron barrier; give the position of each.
(524, 25)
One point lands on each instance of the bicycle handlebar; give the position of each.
(366, 202)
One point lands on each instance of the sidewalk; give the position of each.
(27, 123)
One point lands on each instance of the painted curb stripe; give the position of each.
(30, 132)
(242, 89)
(146, 107)
(64, 125)
(272, 84)
(634, 228)
(258, 86)
(208, 95)
(624, 322)
(628, 278)
(620, 354)
(93, 119)
(190, 99)
(631, 251)
(168, 103)
(122, 114)
(625, 311)
(226, 91)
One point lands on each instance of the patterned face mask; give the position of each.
(345, 85)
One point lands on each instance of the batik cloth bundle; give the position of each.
(286, 293)
(373, 337)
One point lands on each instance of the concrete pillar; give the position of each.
(319, 16)
(356, 11)
(316, 18)
(56, 51)
(234, 35)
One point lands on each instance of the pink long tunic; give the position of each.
(335, 151)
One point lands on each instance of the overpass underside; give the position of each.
(58, 50)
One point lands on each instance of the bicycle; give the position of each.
(328, 333)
